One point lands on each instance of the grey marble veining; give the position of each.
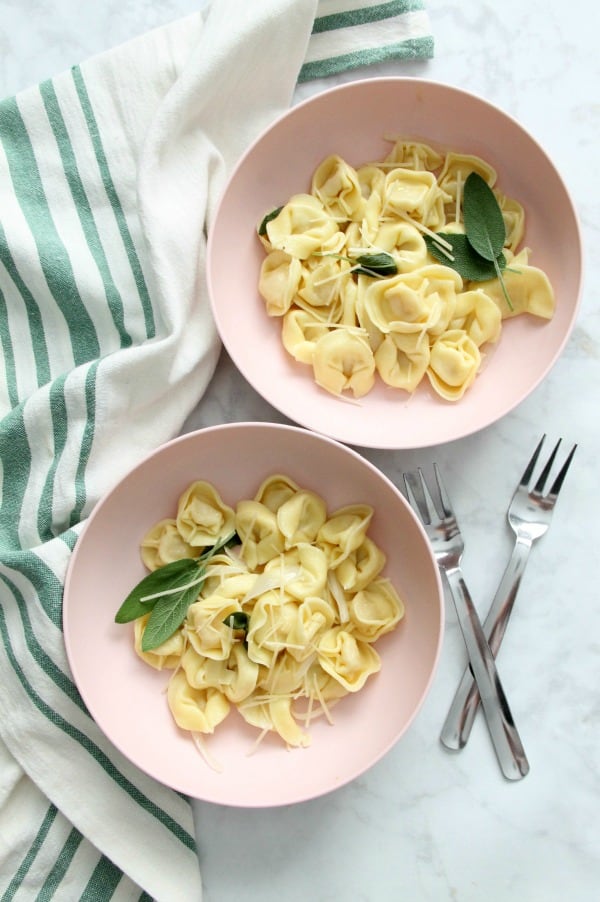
(423, 824)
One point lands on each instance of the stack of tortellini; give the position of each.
(425, 320)
(310, 584)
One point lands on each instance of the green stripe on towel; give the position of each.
(44, 582)
(30, 855)
(84, 211)
(58, 413)
(53, 256)
(86, 442)
(15, 455)
(103, 882)
(113, 196)
(8, 354)
(61, 866)
(364, 15)
(34, 317)
(412, 48)
(37, 652)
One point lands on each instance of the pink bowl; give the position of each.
(352, 120)
(126, 697)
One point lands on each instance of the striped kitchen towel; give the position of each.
(108, 176)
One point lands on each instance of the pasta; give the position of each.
(284, 623)
(422, 321)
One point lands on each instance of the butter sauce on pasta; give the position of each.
(424, 321)
(308, 585)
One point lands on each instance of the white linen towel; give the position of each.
(108, 177)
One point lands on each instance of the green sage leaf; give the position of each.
(262, 229)
(169, 613)
(503, 286)
(238, 621)
(165, 579)
(467, 262)
(484, 223)
(381, 264)
(167, 593)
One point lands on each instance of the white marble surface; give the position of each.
(425, 824)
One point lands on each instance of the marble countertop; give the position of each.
(425, 824)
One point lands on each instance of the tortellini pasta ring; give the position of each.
(409, 191)
(257, 527)
(276, 490)
(163, 544)
(414, 155)
(279, 281)
(453, 364)
(402, 359)
(375, 610)
(202, 516)
(529, 288)
(197, 710)
(350, 661)
(300, 333)
(343, 360)
(301, 517)
(336, 185)
(301, 227)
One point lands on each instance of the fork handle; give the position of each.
(461, 715)
(505, 738)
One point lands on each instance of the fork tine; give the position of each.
(541, 482)
(420, 496)
(526, 477)
(411, 484)
(408, 478)
(444, 497)
(557, 484)
(429, 502)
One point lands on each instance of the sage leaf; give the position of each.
(262, 229)
(169, 613)
(484, 223)
(165, 579)
(381, 264)
(467, 262)
(167, 593)
(238, 621)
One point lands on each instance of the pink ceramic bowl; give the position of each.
(126, 697)
(352, 120)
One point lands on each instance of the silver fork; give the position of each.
(529, 515)
(447, 544)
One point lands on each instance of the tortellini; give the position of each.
(302, 227)
(529, 289)
(402, 359)
(344, 359)
(164, 543)
(347, 659)
(197, 710)
(355, 327)
(453, 364)
(202, 516)
(280, 276)
(336, 185)
(284, 622)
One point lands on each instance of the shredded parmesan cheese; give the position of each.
(212, 762)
